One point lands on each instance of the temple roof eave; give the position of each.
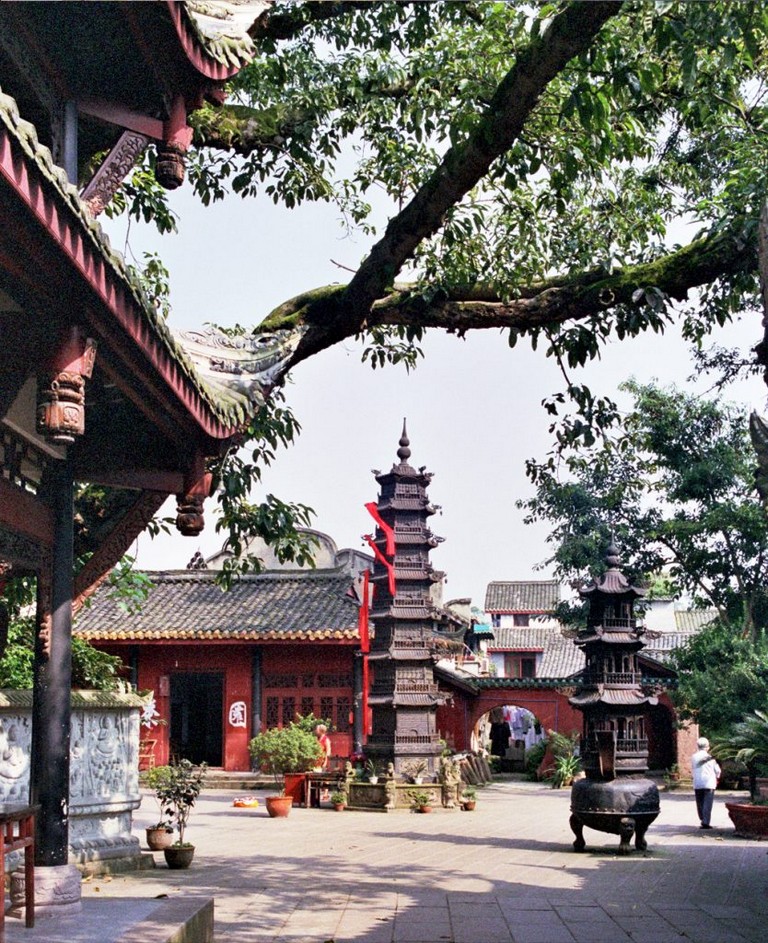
(218, 57)
(27, 168)
(615, 697)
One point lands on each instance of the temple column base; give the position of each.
(57, 891)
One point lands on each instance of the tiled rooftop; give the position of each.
(188, 604)
(522, 596)
(694, 619)
(560, 657)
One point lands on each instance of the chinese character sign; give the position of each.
(237, 714)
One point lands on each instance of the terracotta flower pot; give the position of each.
(158, 838)
(468, 805)
(338, 807)
(278, 807)
(179, 856)
(424, 808)
(750, 821)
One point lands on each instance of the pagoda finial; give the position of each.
(404, 453)
(612, 558)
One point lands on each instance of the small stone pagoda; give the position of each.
(404, 696)
(615, 797)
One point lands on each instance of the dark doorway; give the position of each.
(197, 702)
(661, 743)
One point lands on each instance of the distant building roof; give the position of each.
(560, 658)
(188, 604)
(693, 620)
(522, 596)
(662, 647)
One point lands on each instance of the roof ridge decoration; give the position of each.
(228, 407)
(216, 52)
(246, 364)
(207, 575)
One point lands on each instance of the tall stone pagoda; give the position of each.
(404, 696)
(615, 797)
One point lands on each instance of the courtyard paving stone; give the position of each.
(503, 874)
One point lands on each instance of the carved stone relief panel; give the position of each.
(15, 744)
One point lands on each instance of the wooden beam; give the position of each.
(21, 512)
(112, 113)
(142, 479)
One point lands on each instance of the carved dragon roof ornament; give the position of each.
(248, 364)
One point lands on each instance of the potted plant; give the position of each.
(421, 801)
(747, 743)
(371, 772)
(468, 798)
(415, 771)
(566, 763)
(672, 776)
(338, 801)
(177, 794)
(159, 835)
(284, 750)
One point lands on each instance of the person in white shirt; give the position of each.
(706, 772)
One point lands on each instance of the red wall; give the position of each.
(157, 661)
(551, 709)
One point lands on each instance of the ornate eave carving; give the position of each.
(247, 364)
(114, 169)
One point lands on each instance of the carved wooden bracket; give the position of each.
(171, 153)
(61, 388)
(115, 545)
(114, 169)
(189, 508)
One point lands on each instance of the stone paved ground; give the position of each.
(505, 872)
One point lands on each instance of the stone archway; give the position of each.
(549, 706)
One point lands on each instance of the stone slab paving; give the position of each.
(502, 874)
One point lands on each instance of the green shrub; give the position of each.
(284, 750)
(533, 758)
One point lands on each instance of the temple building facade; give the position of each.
(221, 666)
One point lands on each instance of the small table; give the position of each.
(315, 783)
(17, 831)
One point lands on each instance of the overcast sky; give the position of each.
(472, 406)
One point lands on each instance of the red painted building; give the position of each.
(223, 665)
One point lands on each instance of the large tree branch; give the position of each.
(243, 129)
(547, 303)
(466, 163)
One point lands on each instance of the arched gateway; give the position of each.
(547, 700)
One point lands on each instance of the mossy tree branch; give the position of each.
(544, 304)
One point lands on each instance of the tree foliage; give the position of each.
(514, 143)
(721, 677)
(91, 669)
(673, 485)
(538, 160)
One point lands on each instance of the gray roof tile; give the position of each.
(560, 657)
(694, 619)
(188, 604)
(522, 596)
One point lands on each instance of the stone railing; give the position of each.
(104, 769)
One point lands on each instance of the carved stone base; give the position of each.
(57, 892)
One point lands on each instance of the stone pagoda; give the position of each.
(615, 797)
(404, 696)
